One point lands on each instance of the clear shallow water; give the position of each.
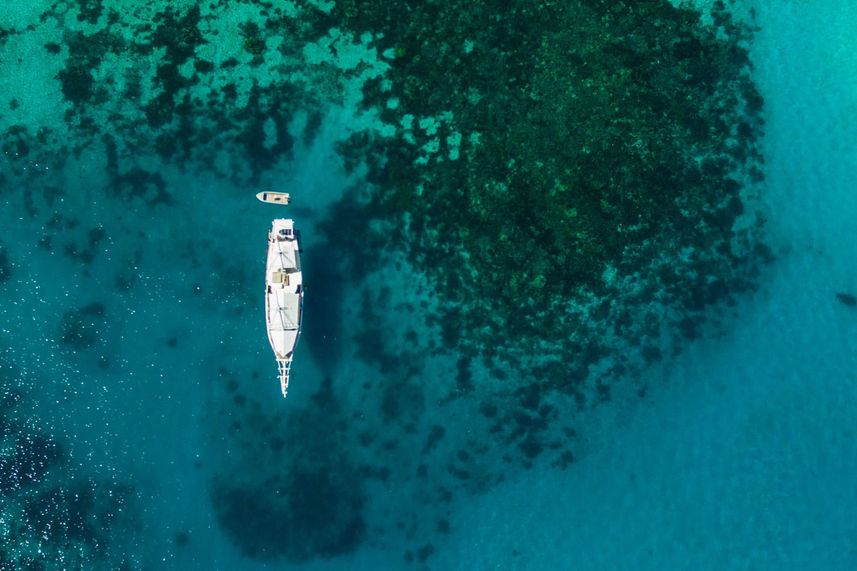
(740, 455)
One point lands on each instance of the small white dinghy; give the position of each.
(274, 197)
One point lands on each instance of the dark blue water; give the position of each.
(141, 418)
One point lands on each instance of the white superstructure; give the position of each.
(283, 294)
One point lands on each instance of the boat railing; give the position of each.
(284, 367)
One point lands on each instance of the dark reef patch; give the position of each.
(5, 265)
(181, 539)
(77, 83)
(183, 108)
(571, 172)
(85, 251)
(86, 52)
(402, 402)
(264, 151)
(847, 299)
(178, 35)
(53, 512)
(83, 328)
(317, 518)
(89, 11)
(303, 501)
(347, 219)
(28, 462)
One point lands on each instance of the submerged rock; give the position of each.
(847, 299)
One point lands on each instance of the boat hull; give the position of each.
(274, 197)
(283, 295)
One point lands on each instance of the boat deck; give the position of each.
(283, 294)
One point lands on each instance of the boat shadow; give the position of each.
(322, 328)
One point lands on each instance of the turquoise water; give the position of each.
(142, 422)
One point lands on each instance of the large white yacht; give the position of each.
(283, 294)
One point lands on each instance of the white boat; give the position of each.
(283, 294)
(274, 197)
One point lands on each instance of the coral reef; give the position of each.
(571, 175)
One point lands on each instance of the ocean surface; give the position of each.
(142, 423)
